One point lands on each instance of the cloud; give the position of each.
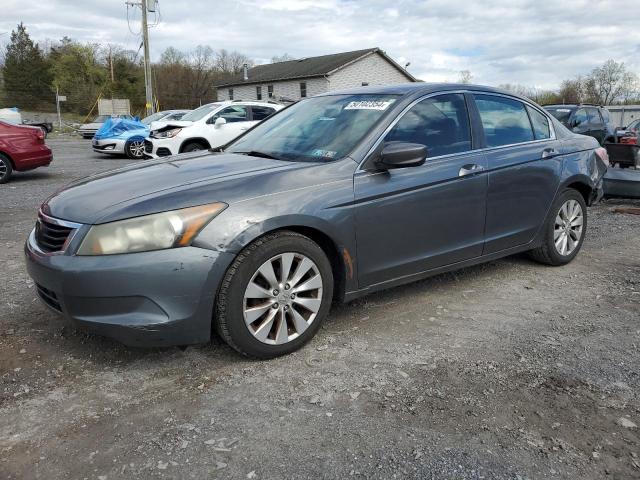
(500, 41)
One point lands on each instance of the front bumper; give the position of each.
(160, 147)
(148, 299)
(110, 145)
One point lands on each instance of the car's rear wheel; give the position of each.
(564, 230)
(193, 147)
(5, 169)
(134, 148)
(274, 296)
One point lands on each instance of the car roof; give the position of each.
(420, 88)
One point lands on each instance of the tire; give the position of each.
(193, 147)
(134, 148)
(6, 169)
(261, 337)
(549, 252)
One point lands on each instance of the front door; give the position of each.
(411, 220)
(237, 121)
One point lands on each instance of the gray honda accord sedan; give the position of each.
(334, 197)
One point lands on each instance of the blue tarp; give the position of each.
(121, 128)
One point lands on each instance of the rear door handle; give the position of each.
(470, 169)
(549, 153)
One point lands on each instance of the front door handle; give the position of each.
(470, 169)
(550, 153)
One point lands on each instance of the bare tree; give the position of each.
(231, 62)
(571, 91)
(610, 82)
(465, 76)
(285, 57)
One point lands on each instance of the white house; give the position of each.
(295, 79)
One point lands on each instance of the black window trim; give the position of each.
(483, 148)
(260, 106)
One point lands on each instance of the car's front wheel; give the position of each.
(134, 148)
(5, 169)
(564, 230)
(275, 295)
(193, 147)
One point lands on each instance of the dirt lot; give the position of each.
(507, 370)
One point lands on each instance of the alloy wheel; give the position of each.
(567, 230)
(137, 148)
(3, 168)
(283, 298)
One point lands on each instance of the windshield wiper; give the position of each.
(256, 153)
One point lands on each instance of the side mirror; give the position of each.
(402, 155)
(219, 122)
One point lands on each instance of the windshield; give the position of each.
(561, 114)
(318, 129)
(100, 119)
(201, 112)
(153, 117)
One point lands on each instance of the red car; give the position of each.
(21, 148)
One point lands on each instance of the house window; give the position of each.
(259, 93)
(365, 84)
(231, 94)
(303, 89)
(270, 91)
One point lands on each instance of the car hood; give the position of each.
(163, 123)
(176, 182)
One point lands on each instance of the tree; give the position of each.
(285, 57)
(78, 74)
(571, 91)
(231, 62)
(25, 72)
(610, 82)
(465, 76)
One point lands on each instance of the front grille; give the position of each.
(51, 237)
(163, 152)
(49, 297)
(148, 146)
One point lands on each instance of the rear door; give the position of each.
(410, 220)
(524, 161)
(597, 127)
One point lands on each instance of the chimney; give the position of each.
(245, 72)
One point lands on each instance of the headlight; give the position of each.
(167, 133)
(176, 228)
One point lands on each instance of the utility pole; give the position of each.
(58, 109)
(147, 61)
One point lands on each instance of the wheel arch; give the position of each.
(187, 141)
(11, 161)
(581, 183)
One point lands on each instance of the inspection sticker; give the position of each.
(369, 105)
(324, 153)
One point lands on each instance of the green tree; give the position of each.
(25, 72)
(77, 74)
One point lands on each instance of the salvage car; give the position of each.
(88, 130)
(623, 178)
(208, 126)
(336, 196)
(585, 119)
(630, 133)
(126, 137)
(22, 148)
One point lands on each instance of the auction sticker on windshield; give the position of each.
(369, 105)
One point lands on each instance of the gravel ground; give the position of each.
(507, 370)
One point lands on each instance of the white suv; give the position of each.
(208, 126)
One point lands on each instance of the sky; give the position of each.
(533, 43)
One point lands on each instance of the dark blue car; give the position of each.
(334, 197)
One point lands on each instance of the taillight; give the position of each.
(603, 155)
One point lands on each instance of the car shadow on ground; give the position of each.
(80, 343)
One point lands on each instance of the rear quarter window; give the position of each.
(540, 124)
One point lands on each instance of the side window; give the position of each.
(540, 124)
(259, 92)
(303, 89)
(270, 91)
(580, 118)
(231, 94)
(260, 113)
(232, 114)
(441, 123)
(504, 120)
(594, 116)
(605, 115)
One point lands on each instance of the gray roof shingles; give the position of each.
(303, 68)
